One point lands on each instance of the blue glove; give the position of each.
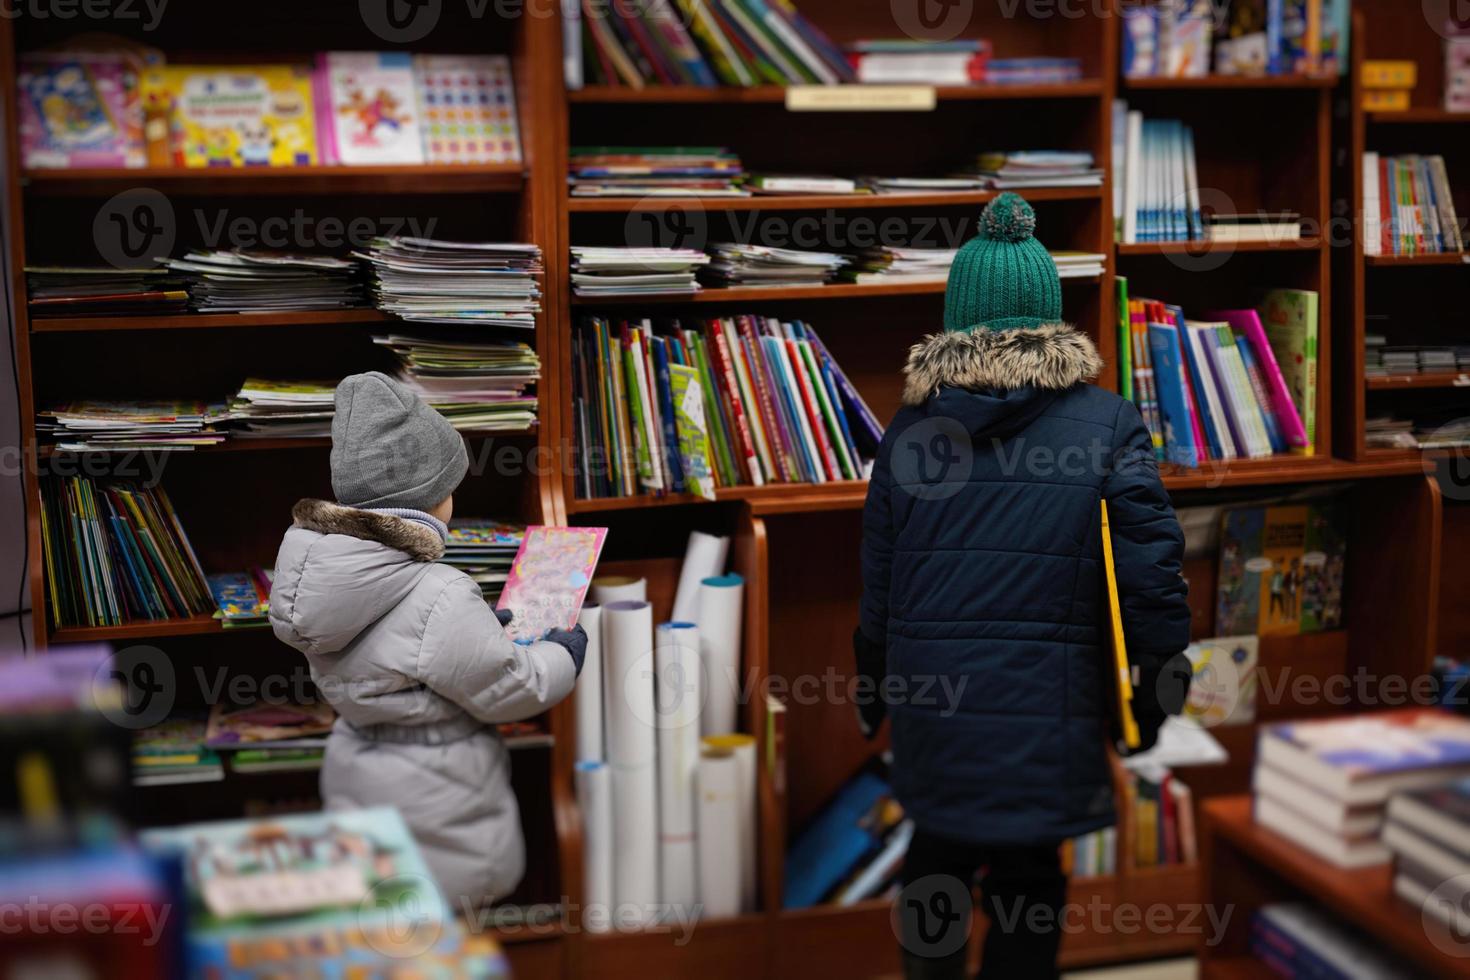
(505, 616)
(574, 641)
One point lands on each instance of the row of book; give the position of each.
(1409, 206)
(1299, 939)
(127, 108)
(1237, 384)
(1156, 180)
(742, 400)
(1091, 855)
(1175, 38)
(1160, 812)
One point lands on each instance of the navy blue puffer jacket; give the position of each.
(982, 575)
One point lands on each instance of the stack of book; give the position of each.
(852, 850)
(775, 185)
(242, 599)
(264, 409)
(743, 400)
(1272, 227)
(1227, 386)
(635, 271)
(240, 281)
(1020, 170)
(886, 264)
(720, 42)
(1294, 939)
(427, 280)
(173, 752)
(905, 61)
(270, 736)
(1428, 832)
(483, 550)
(733, 264)
(116, 553)
(104, 291)
(1033, 71)
(480, 385)
(922, 185)
(654, 171)
(1388, 86)
(117, 426)
(1383, 360)
(1409, 207)
(1439, 427)
(1159, 179)
(1079, 265)
(1325, 785)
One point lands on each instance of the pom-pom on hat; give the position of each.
(1003, 279)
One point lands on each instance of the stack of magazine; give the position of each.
(634, 271)
(264, 409)
(480, 385)
(735, 264)
(239, 281)
(433, 281)
(484, 550)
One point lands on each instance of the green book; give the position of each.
(1125, 342)
(1290, 317)
(689, 422)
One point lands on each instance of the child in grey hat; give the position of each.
(417, 665)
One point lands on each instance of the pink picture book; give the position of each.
(1248, 323)
(549, 579)
(79, 110)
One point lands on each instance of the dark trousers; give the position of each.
(1023, 891)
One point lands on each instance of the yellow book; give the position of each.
(1386, 100)
(1120, 646)
(1390, 74)
(235, 115)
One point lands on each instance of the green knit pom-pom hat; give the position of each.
(1003, 279)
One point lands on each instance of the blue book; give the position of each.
(665, 392)
(1275, 52)
(1179, 447)
(775, 350)
(1263, 397)
(830, 848)
(1198, 380)
(868, 430)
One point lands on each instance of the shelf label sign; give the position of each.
(861, 98)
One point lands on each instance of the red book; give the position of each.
(813, 411)
(1387, 199)
(721, 351)
(756, 367)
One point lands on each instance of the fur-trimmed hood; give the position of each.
(410, 537)
(1053, 357)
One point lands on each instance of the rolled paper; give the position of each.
(703, 558)
(635, 843)
(720, 603)
(628, 710)
(718, 831)
(618, 588)
(589, 687)
(742, 748)
(594, 793)
(677, 693)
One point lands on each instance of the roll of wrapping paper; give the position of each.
(718, 831)
(618, 588)
(627, 661)
(742, 747)
(594, 795)
(703, 558)
(589, 687)
(720, 618)
(1124, 674)
(635, 842)
(678, 695)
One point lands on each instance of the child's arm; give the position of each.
(1148, 551)
(870, 642)
(467, 658)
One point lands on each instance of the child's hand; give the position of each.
(505, 616)
(574, 641)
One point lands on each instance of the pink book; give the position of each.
(548, 580)
(1248, 323)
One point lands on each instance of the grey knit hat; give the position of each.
(391, 450)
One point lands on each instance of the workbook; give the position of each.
(367, 108)
(1281, 569)
(233, 115)
(467, 108)
(549, 579)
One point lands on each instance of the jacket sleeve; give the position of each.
(467, 658)
(877, 550)
(1148, 554)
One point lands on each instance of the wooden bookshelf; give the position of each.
(822, 202)
(1233, 83)
(206, 321)
(768, 94)
(1427, 379)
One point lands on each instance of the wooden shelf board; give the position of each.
(763, 294)
(1440, 258)
(1234, 83)
(1235, 968)
(192, 626)
(1432, 379)
(692, 94)
(772, 498)
(816, 202)
(1284, 469)
(208, 321)
(382, 179)
(1419, 116)
(267, 445)
(1210, 248)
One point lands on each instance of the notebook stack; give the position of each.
(776, 185)
(264, 409)
(923, 185)
(238, 281)
(1253, 228)
(758, 265)
(1033, 71)
(1428, 831)
(173, 752)
(428, 280)
(1022, 170)
(105, 291)
(1078, 265)
(1383, 360)
(270, 736)
(242, 599)
(479, 385)
(1294, 939)
(651, 171)
(635, 271)
(885, 265)
(906, 61)
(120, 426)
(483, 550)
(1324, 785)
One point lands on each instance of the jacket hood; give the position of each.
(340, 569)
(997, 382)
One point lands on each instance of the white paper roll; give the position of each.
(635, 843)
(594, 793)
(718, 843)
(618, 588)
(629, 714)
(720, 604)
(703, 558)
(678, 695)
(589, 688)
(742, 748)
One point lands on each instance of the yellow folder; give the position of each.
(1120, 645)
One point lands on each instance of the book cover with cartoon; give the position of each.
(1281, 570)
(235, 116)
(368, 108)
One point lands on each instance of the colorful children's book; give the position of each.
(1174, 403)
(467, 108)
(79, 110)
(236, 115)
(1289, 319)
(1281, 569)
(549, 579)
(262, 724)
(694, 450)
(1223, 691)
(238, 599)
(1281, 405)
(367, 108)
